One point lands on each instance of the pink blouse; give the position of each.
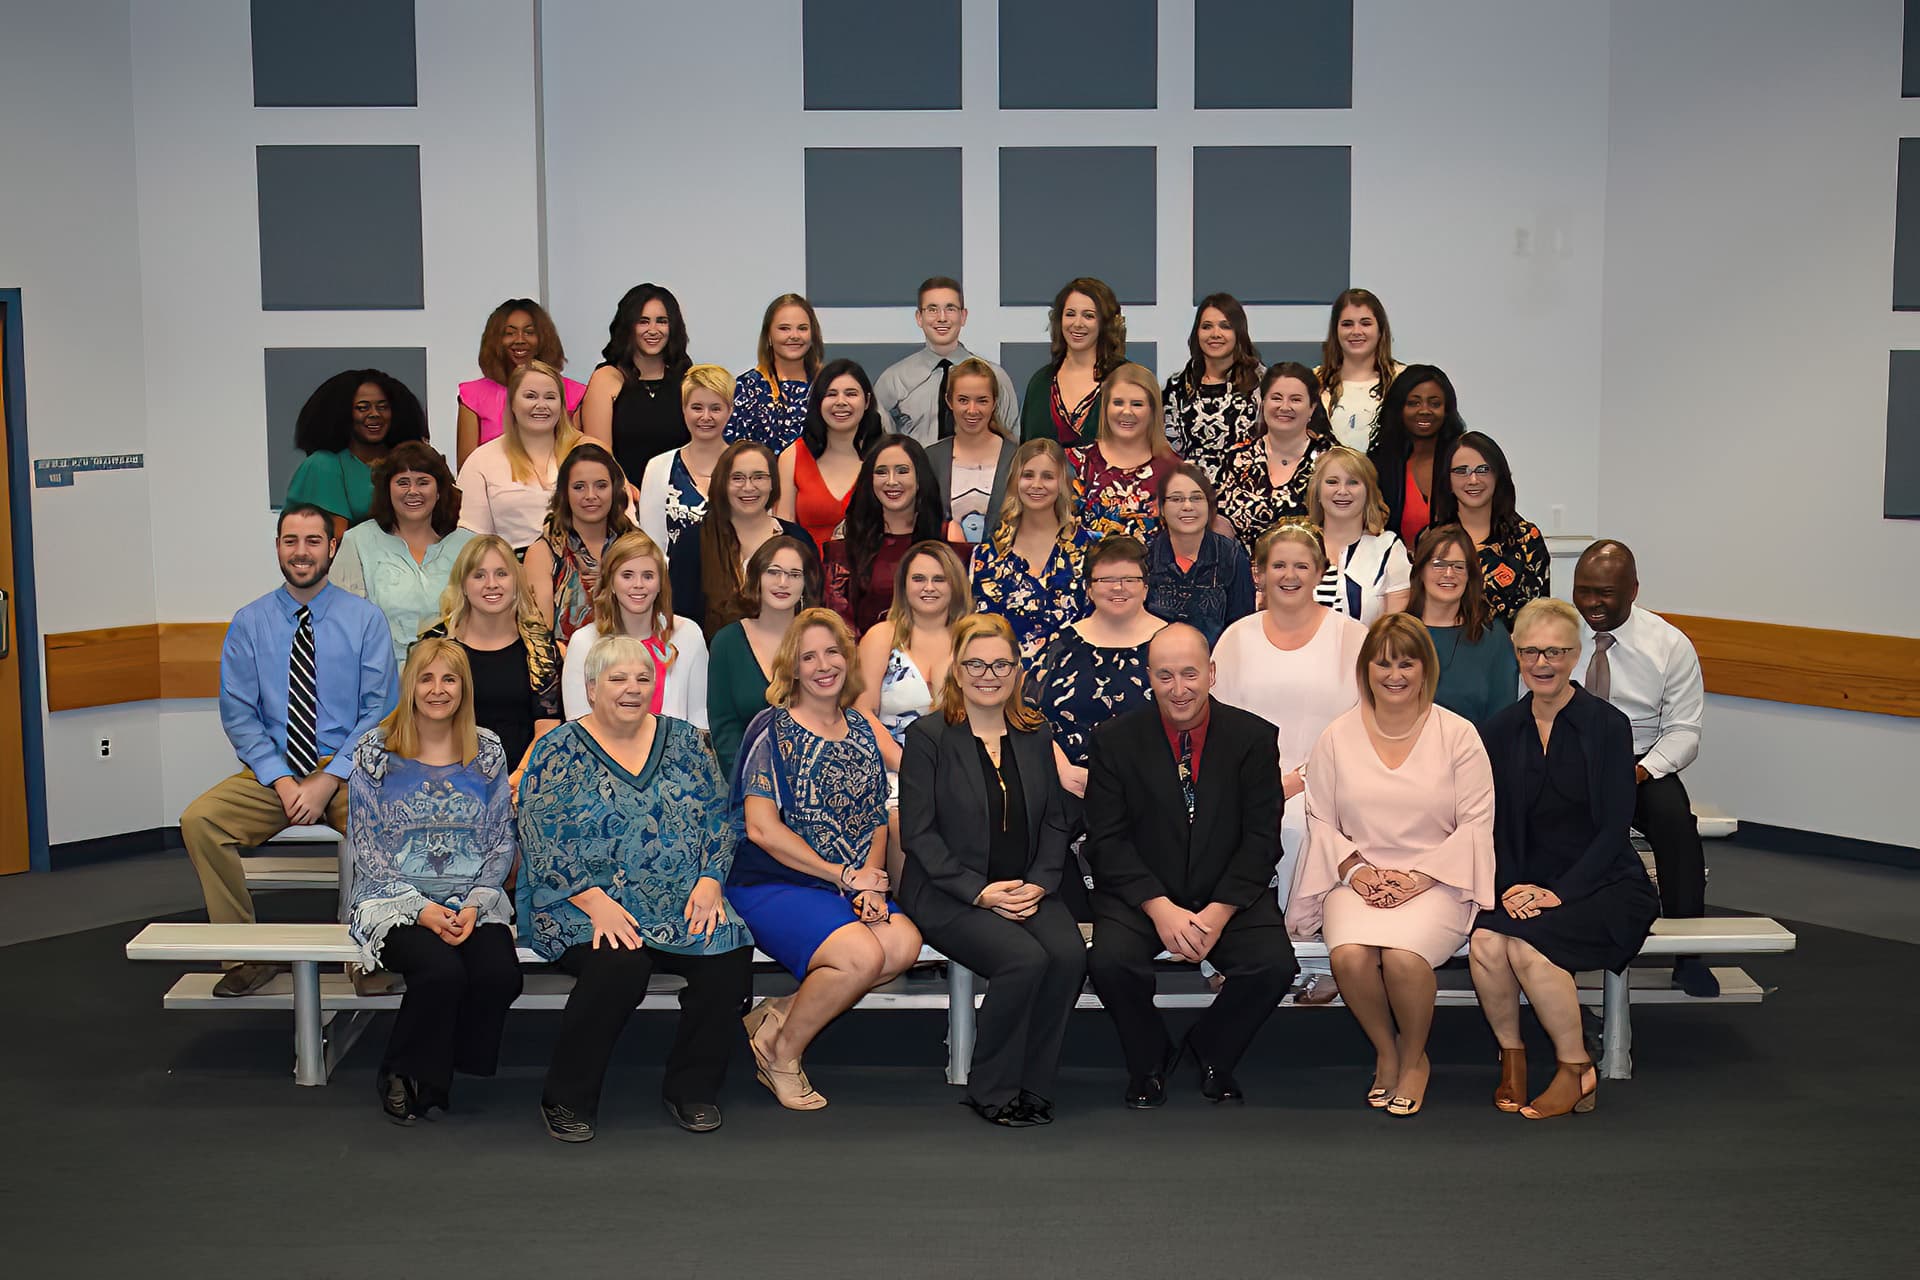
(488, 400)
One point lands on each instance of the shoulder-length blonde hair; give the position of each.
(1010, 507)
(565, 434)
(959, 595)
(781, 684)
(1290, 529)
(1340, 456)
(1138, 375)
(1399, 635)
(607, 618)
(975, 367)
(454, 606)
(401, 728)
(952, 701)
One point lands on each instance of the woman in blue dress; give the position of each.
(1028, 571)
(430, 838)
(809, 871)
(623, 818)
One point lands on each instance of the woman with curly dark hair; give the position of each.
(633, 398)
(347, 425)
(1088, 340)
(400, 557)
(517, 331)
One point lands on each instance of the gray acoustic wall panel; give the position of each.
(1272, 54)
(1906, 229)
(292, 375)
(1086, 54)
(1286, 235)
(340, 228)
(881, 55)
(1902, 497)
(333, 53)
(874, 357)
(1059, 219)
(1022, 359)
(1277, 352)
(879, 221)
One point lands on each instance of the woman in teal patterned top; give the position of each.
(623, 820)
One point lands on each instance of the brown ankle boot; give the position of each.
(1513, 1080)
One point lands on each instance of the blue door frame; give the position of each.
(26, 614)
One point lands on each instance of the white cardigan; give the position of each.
(685, 694)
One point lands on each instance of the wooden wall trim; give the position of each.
(1806, 666)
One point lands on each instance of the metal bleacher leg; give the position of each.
(309, 1045)
(1616, 1034)
(960, 1015)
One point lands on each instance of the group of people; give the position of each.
(851, 668)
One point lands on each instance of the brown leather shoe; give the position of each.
(245, 979)
(1568, 1093)
(1513, 1080)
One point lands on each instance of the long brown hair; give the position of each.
(959, 596)
(719, 540)
(763, 351)
(952, 701)
(401, 730)
(559, 522)
(1476, 615)
(1110, 348)
(1244, 372)
(1330, 357)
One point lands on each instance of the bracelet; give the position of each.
(846, 876)
(1346, 880)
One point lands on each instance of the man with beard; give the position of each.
(306, 670)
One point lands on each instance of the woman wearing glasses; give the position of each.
(1571, 893)
(1477, 672)
(1478, 496)
(707, 569)
(984, 823)
(1196, 574)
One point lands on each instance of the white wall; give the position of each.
(1749, 268)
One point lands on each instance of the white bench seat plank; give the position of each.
(271, 871)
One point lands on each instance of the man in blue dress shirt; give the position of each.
(306, 670)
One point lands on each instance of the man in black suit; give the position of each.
(1183, 820)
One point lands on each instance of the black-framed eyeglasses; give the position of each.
(980, 666)
(1552, 653)
(1447, 566)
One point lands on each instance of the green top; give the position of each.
(1476, 680)
(338, 483)
(1036, 412)
(736, 692)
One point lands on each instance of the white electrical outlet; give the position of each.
(106, 748)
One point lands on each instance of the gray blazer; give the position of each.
(940, 455)
(943, 816)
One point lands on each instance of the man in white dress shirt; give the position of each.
(913, 393)
(1646, 666)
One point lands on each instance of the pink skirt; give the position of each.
(1432, 926)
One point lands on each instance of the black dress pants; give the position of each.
(456, 1004)
(1253, 953)
(1034, 969)
(1664, 815)
(609, 983)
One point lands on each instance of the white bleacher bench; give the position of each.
(328, 1014)
(296, 871)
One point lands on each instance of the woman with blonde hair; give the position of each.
(430, 838)
(983, 820)
(517, 331)
(1116, 479)
(635, 599)
(488, 610)
(972, 464)
(587, 514)
(673, 492)
(507, 483)
(1028, 572)
(770, 399)
(809, 871)
(1399, 855)
(1368, 573)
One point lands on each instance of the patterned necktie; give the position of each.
(302, 756)
(1186, 771)
(946, 410)
(1599, 670)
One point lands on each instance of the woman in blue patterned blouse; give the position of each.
(623, 817)
(809, 870)
(1028, 572)
(770, 399)
(430, 835)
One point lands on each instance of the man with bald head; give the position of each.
(1183, 821)
(1646, 666)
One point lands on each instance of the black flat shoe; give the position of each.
(1038, 1109)
(1149, 1091)
(694, 1117)
(1691, 975)
(398, 1100)
(566, 1124)
(1010, 1116)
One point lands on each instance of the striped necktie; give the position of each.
(302, 755)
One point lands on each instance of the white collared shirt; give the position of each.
(908, 394)
(1654, 677)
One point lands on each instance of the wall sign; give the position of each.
(57, 473)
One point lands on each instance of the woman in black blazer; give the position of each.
(984, 830)
(1573, 894)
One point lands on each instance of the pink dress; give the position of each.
(488, 400)
(1299, 690)
(1433, 814)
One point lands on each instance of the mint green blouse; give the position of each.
(378, 567)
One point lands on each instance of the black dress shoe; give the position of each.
(694, 1117)
(397, 1099)
(1149, 1091)
(1691, 975)
(566, 1124)
(1219, 1086)
(1038, 1109)
(1010, 1116)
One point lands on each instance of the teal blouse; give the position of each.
(334, 482)
(1476, 680)
(736, 692)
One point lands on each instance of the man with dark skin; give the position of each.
(1647, 667)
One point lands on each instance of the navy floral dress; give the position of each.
(1079, 686)
(1112, 499)
(1035, 606)
(686, 505)
(759, 416)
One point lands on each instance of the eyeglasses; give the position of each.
(1184, 500)
(980, 666)
(1480, 472)
(749, 477)
(1445, 567)
(1552, 653)
(784, 575)
(944, 309)
(1118, 582)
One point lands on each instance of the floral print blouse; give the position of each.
(1515, 570)
(1036, 605)
(1204, 423)
(1112, 499)
(758, 415)
(1248, 497)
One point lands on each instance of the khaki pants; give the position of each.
(238, 813)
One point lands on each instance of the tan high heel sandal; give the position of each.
(1564, 1095)
(1513, 1080)
(791, 1089)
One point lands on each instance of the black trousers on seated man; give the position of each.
(1664, 815)
(609, 984)
(1254, 954)
(455, 1009)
